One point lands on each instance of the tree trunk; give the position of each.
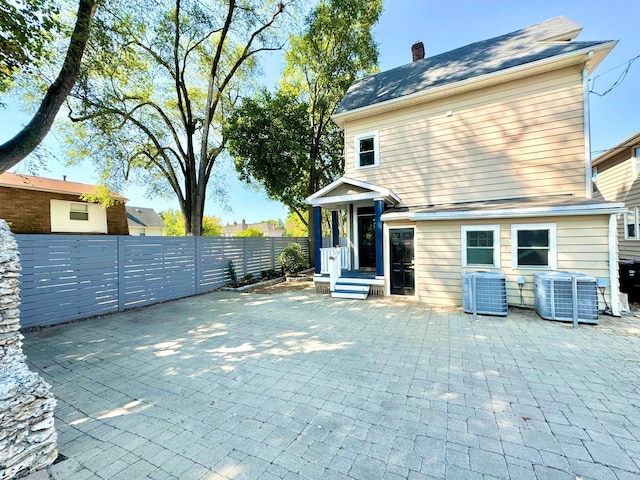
(26, 141)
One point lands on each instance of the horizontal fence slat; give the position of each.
(69, 277)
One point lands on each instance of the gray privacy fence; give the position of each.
(67, 277)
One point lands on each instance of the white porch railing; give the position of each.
(325, 253)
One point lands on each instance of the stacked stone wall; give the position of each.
(27, 433)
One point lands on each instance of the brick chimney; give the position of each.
(417, 50)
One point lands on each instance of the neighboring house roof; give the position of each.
(514, 207)
(536, 43)
(29, 182)
(632, 141)
(143, 217)
(268, 228)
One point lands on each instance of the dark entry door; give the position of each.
(402, 261)
(367, 241)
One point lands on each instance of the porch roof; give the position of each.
(345, 191)
(546, 206)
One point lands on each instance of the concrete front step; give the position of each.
(350, 294)
(343, 289)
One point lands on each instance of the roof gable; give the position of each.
(348, 190)
(542, 41)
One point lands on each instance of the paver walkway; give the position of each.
(299, 385)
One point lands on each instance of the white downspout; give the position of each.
(587, 129)
(614, 290)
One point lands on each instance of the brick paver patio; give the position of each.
(299, 385)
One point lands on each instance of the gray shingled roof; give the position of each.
(143, 217)
(537, 42)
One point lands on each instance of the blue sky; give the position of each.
(443, 26)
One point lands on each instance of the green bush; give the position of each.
(231, 271)
(267, 273)
(292, 259)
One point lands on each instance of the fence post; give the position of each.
(273, 253)
(198, 258)
(244, 257)
(121, 276)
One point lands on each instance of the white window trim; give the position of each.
(635, 228)
(84, 209)
(635, 164)
(553, 245)
(376, 149)
(496, 244)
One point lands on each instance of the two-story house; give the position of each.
(45, 205)
(473, 159)
(616, 174)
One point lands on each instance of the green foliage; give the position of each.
(268, 138)
(102, 195)
(231, 272)
(295, 227)
(267, 273)
(158, 85)
(27, 27)
(174, 221)
(292, 259)
(248, 276)
(250, 232)
(287, 141)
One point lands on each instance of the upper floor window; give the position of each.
(534, 246)
(366, 150)
(631, 224)
(636, 159)
(481, 246)
(78, 211)
(594, 174)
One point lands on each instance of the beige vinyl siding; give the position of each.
(518, 139)
(582, 244)
(617, 183)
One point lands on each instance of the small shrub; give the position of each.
(267, 273)
(231, 270)
(248, 276)
(292, 259)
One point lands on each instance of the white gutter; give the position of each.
(519, 71)
(597, 209)
(587, 128)
(614, 290)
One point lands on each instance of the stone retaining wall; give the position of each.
(27, 434)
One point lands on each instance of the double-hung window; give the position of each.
(366, 150)
(78, 211)
(534, 246)
(631, 224)
(481, 246)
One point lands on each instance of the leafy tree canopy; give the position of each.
(27, 16)
(27, 26)
(157, 85)
(251, 232)
(297, 148)
(294, 227)
(174, 221)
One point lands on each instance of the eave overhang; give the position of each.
(590, 57)
(607, 208)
